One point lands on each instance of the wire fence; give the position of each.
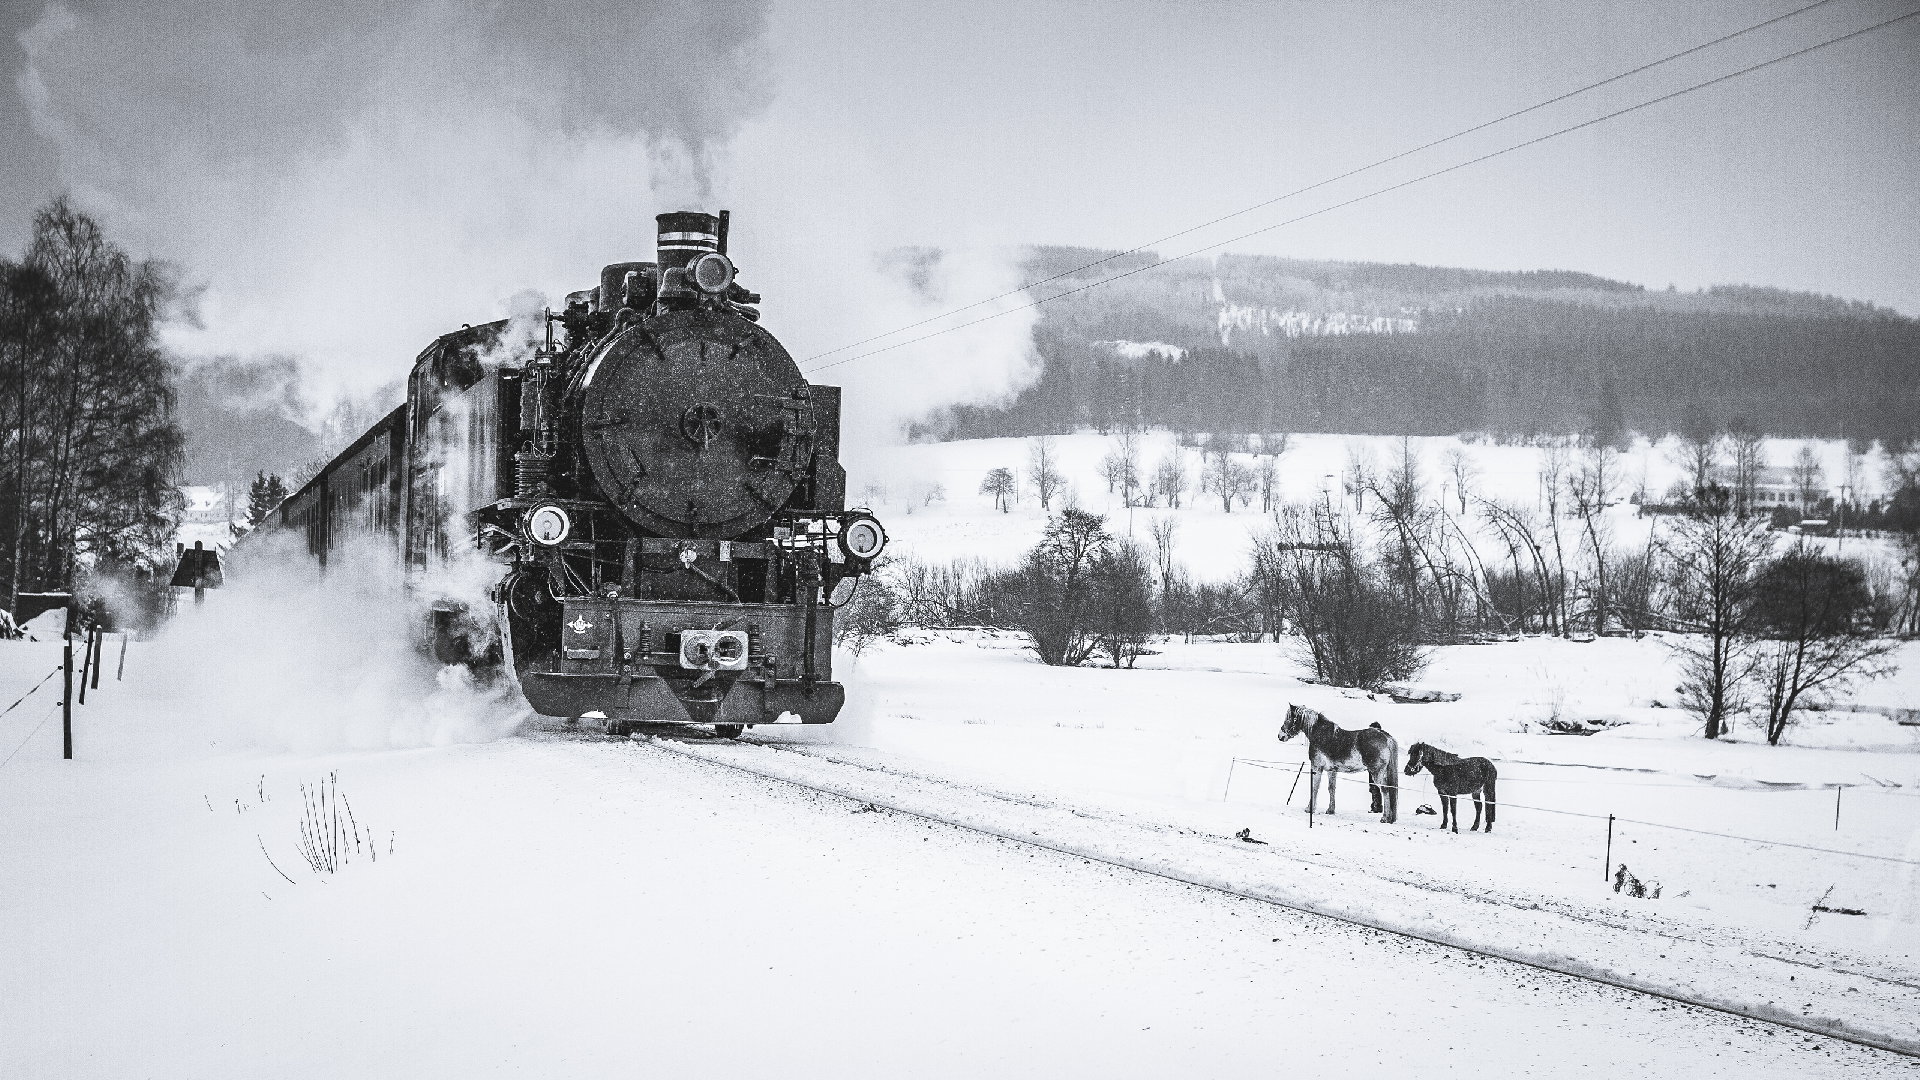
(83, 671)
(1611, 819)
(55, 707)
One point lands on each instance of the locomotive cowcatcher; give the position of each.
(657, 482)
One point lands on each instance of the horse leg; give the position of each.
(1476, 811)
(1313, 791)
(1332, 775)
(1453, 811)
(1373, 789)
(1490, 803)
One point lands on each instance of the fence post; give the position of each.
(122, 673)
(1296, 783)
(1606, 870)
(1837, 789)
(66, 704)
(99, 650)
(1229, 789)
(86, 654)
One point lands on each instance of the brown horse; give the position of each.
(1334, 750)
(1454, 776)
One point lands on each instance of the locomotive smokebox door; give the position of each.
(696, 423)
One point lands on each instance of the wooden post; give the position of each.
(66, 705)
(122, 673)
(99, 650)
(1229, 789)
(1837, 789)
(1606, 870)
(1296, 783)
(86, 654)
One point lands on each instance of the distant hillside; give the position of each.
(1253, 343)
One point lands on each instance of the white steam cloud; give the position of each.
(284, 657)
(350, 179)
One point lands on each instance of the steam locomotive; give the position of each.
(657, 481)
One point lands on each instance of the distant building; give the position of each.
(207, 506)
(1775, 487)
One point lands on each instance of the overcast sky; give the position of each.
(361, 174)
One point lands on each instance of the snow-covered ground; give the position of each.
(556, 906)
(544, 903)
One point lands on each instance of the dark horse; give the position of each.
(1335, 750)
(1454, 776)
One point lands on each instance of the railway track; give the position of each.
(890, 790)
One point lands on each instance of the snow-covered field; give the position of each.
(540, 902)
(1214, 543)
(565, 906)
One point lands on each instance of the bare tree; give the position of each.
(1162, 530)
(1267, 475)
(1697, 451)
(1229, 479)
(1043, 469)
(1170, 478)
(999, 483)
(1352, 627)
(1747, 448)
(94, 447)
(1810, 610)
(1358, 476)
(1903, 520)
(1711, 554)
(1459, 465)
(1273, 446)
(1121, 467)
(1591, 489)
(1809, 479)
(1122, 602)
(1517, 527)
(1554, 467)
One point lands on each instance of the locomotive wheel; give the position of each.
(729, 731)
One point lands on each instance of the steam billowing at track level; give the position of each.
(656, 485)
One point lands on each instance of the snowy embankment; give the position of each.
(579, 907)
(1137, 764)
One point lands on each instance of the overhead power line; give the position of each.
(1462, 133)
(1748, 70)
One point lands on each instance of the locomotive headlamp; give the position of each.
(548, 525)
(710, 273)
(862, 538)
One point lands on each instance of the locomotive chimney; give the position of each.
(692, 257)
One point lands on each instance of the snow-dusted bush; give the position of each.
(873, 613)
(1355, 627)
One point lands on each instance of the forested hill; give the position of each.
(1256, 344)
